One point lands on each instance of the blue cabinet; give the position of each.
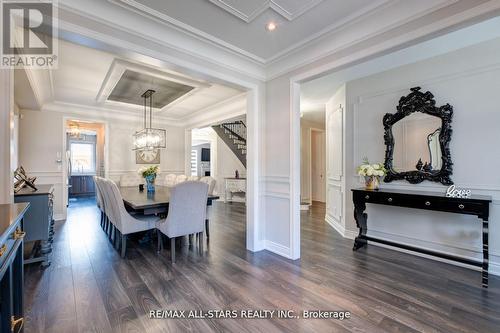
(38, 222)
(11, 267)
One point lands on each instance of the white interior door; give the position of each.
(318, 166)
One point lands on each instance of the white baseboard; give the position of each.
(278, 249)
(339, 227)
(495, 267)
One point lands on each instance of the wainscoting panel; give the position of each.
(467, 79)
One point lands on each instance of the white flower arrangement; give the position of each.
(149, 171)
(368, 170)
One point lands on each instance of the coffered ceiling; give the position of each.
(103, 82)
(241, 25)
(249, 10)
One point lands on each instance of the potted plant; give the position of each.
(372, 174)
(149, 175)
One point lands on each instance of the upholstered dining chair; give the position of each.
(107, 226)
(131, 179)
(180, 179)
(186, 214)
(99, 200)
(193, 178)
(125, 223)
(211, 186)
(211, 183)
(170, 180)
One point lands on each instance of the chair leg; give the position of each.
(207, 229)
(172, 249)
(160, 241)
(190, 236)
(124, 245)
(201, 242)
(116, 242)
(102, 218)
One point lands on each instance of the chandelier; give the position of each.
(149, 138)
(74, 130)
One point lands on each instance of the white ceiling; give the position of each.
(82, 71)
(240, 25)
(315, 93)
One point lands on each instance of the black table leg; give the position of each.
(360, 216)
(207, 229)
(485, 254)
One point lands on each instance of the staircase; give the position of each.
(234, 134)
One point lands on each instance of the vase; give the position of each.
(372, 183)
(150, 183)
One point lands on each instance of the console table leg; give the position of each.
(485, 254)
(360, 216)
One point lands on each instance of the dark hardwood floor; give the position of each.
(89, 288)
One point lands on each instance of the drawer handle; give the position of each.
(461, 206)
(367, 197)
(3, 249)
(14, 322)
(18, 234)
(427, 203)
(390, 199)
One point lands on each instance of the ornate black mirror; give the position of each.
(417, 139)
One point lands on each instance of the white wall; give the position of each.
(468, 80)
(41, 139)
(227, 163)
(7, 149)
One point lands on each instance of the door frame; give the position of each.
(311, 130)
(65, 119)
(121, 42)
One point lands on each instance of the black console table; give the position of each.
(476, 205)
(11, 267)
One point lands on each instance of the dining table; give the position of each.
(150, 203)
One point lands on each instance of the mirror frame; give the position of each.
(417, 101)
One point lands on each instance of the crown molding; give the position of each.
(230, 108)
(355, 32)
(150, 13)
(119, 66)
(374, 7)
(238, 13)
(80, 18)
(272, 4)
(101, 113)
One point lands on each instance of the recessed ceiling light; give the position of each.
(271, 26)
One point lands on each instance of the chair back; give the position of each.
(131, 179)
(187, 209)
(170, 180)
(211, 184)
(193, 178)
(180, 179)
(107, 198)
(98, 194)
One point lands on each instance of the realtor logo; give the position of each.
(29, 34)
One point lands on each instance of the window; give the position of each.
(194, 162)
(83, 158)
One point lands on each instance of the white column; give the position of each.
(7, 149)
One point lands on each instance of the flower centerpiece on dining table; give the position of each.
(371, 173)
(149, 175)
